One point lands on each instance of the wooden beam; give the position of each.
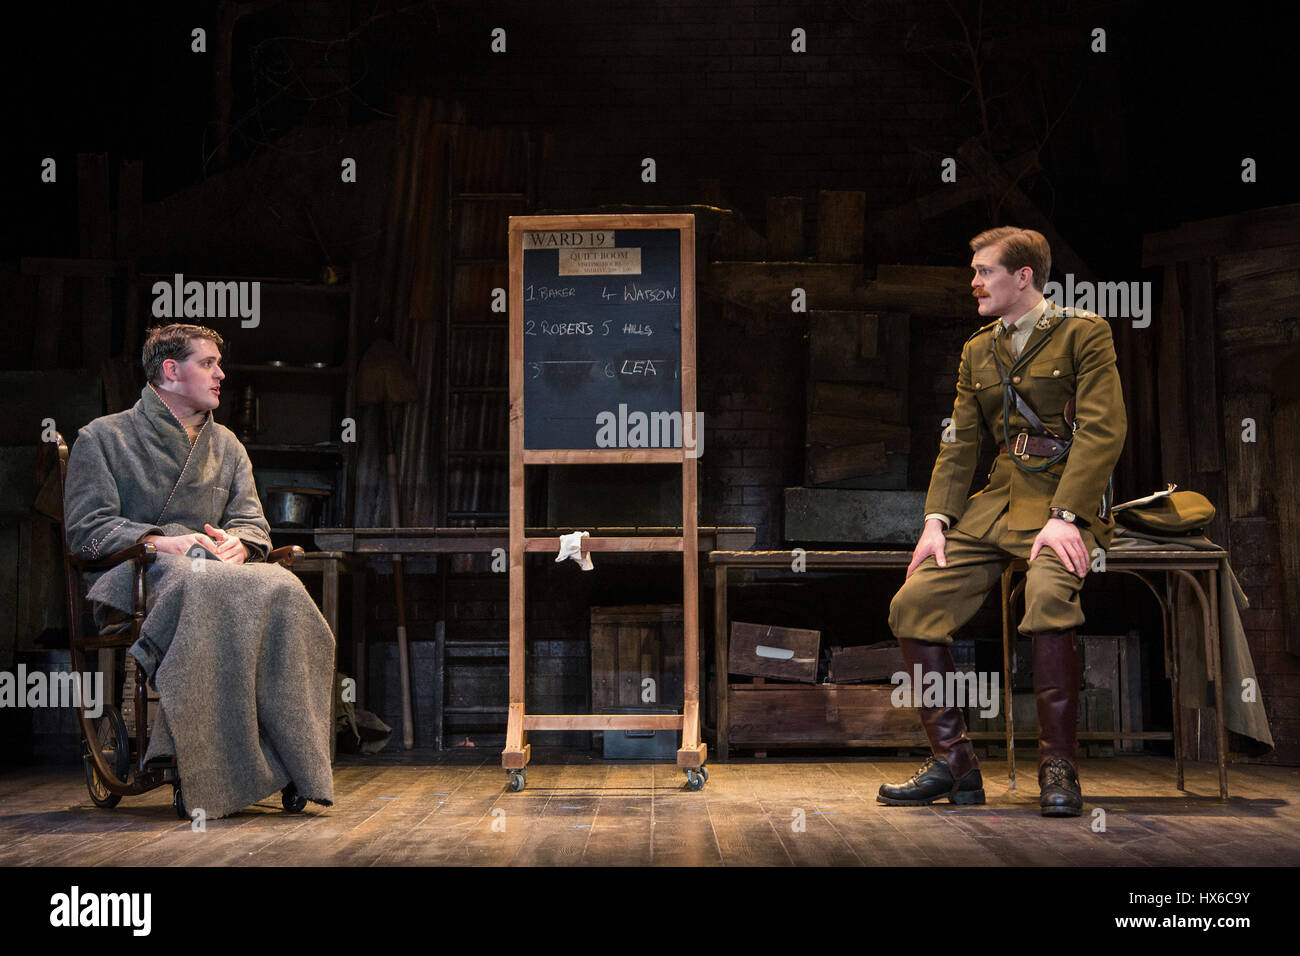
(1018, 208)
(857, 401)
(1209, 238)
(766, 286)
(785, 227)
(1286, 429)
(603, 722)
(603, 456)
(1196, 295)
(903, 225)
(1250, 467)
(1175, 458)
(841, 215)
(849, 461)
(856, 429)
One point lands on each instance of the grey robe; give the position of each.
(242, 658)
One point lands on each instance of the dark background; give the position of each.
(1148, 134)
(1139, 139)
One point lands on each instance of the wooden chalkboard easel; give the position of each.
(603, 331)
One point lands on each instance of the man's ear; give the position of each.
(169, 370)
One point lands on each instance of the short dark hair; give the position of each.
(1019, 248)
(172, 342)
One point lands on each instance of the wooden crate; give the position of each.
(854, 715)
(875, 662)
(636, 659)
(763, 650)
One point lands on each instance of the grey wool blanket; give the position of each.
(241, 657)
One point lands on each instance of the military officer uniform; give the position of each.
(1048, 390)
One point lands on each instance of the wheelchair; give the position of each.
(113, 757)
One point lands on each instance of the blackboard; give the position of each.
(602, 352)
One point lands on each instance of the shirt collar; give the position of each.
(1028, 320)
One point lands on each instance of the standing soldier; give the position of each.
(1043, 380)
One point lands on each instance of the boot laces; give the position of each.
(930, 762)
(1058, 773)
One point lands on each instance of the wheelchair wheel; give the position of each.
(114, 746)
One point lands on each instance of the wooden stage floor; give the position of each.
(426, 808)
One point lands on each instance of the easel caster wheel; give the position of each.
(178, 804)
(517, 780)
(291, 800)
(695, 779)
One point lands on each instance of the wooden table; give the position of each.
(368, 541)
(1178, 568)
(363, 543)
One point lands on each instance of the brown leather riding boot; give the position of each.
(1056, 692)
(952, 771)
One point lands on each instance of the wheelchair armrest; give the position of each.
(142, 552)
(286, 555)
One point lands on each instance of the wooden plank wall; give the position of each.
(1228, 414)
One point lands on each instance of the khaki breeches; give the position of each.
(935, 601)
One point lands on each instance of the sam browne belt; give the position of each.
(1044, 442)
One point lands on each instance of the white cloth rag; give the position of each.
(571, 547)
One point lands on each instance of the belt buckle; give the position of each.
(1022, 442)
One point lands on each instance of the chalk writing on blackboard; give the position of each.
(605, 335)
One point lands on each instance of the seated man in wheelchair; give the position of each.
(240, 655)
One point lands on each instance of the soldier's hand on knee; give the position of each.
(1063, 538)
(931, 543)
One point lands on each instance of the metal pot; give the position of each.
(292, 507)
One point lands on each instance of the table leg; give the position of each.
(330, 609)
(1009, 675)
(1172, 645)
(1212, 640)
(359, 629)
(720, 657)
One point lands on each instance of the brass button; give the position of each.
(1016, 380)
(1056, 371)
(1025, 457)
(977, 384)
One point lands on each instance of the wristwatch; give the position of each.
(1064, 515)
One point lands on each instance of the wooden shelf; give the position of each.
(295, 284)
(333, 448)
(263, 368)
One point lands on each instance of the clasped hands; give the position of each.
(1061, 536)
(224, 546)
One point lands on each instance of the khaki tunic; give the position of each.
(1003, 518)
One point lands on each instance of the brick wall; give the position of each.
(751, 390)
(708, 90)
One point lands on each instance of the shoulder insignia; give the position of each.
(1070, 312)
(984, 328)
